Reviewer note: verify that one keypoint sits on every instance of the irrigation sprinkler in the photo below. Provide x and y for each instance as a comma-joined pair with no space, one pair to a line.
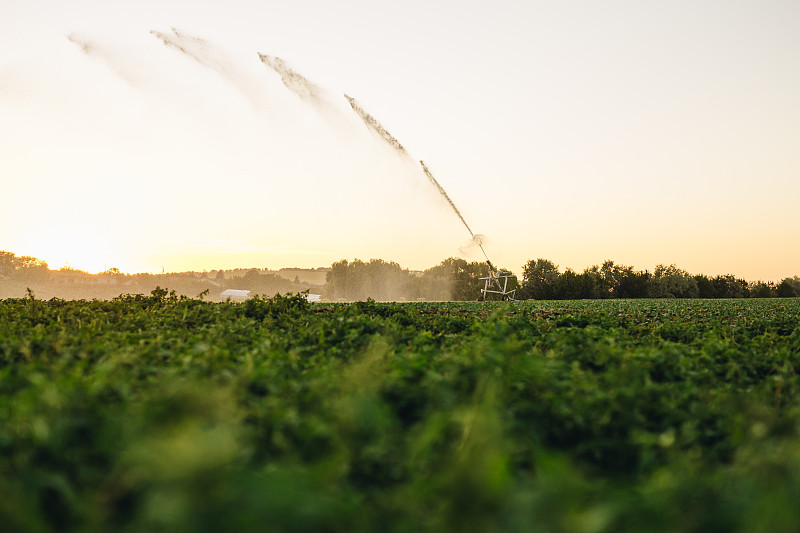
497,283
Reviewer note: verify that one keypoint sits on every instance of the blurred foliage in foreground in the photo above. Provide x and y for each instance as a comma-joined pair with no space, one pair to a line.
159,413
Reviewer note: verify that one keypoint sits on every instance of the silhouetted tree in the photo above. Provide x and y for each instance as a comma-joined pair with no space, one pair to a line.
539,279
593,284
608,279
377,279
705,287
31,269
788,288
567,286
587,281
336,280
672,282
632,283
437,282
761,289
617,281
260,283
7,264
728,286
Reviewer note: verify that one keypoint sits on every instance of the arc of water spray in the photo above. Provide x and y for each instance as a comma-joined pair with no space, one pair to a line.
114,59
294,81
378,128
210,56
309,91
305,89
477,239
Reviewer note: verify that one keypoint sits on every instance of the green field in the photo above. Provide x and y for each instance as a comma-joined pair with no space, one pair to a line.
156,413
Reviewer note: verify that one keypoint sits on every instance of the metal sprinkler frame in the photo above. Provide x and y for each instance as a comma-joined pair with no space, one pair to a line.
492,284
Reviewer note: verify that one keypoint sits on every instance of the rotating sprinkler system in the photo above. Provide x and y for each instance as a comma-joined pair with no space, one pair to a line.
497,283
206,54
497,280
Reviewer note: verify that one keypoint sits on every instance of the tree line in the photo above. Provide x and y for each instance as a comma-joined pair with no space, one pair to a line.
542,280
457,279
18,273
22,267
452,279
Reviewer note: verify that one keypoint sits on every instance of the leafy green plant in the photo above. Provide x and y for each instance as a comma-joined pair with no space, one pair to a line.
162,412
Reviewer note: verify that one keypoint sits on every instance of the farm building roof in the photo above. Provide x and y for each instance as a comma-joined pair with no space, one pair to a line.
235,294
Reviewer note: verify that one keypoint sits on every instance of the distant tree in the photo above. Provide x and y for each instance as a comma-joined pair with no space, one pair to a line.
336,280
705,287
610,275
377,279
587,281
618,281
31,269
788,288
539,279
260,283
593,284
632,283
357,283
465,279
762,289
7,263
112,275
454,279
387,280
568,286
468,287
437,283
728,286
672,282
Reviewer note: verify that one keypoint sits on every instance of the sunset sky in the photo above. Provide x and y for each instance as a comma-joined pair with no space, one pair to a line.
645,132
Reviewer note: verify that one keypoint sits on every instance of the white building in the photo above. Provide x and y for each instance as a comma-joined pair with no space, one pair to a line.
235,294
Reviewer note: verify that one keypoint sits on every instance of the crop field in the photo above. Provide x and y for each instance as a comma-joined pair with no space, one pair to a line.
158,413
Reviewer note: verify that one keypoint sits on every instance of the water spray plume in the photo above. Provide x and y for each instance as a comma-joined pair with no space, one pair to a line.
85,46
445,195
376,126
114,59
180,42
295,82
210,56
477,241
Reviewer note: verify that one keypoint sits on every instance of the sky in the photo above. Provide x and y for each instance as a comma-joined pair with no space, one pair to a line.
151,135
